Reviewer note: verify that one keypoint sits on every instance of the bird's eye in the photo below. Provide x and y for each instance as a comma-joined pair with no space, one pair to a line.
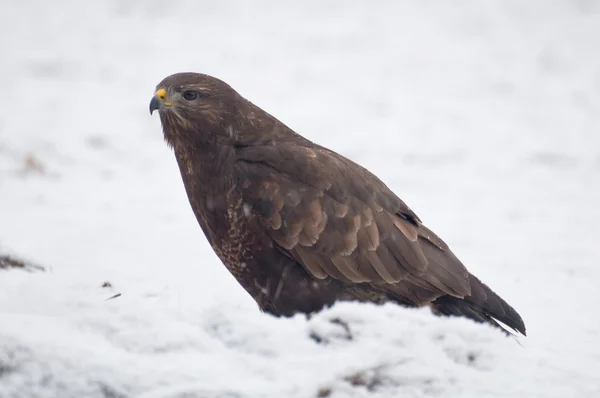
190,95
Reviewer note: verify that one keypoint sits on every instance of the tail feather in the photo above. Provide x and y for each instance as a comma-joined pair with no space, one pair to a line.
483,305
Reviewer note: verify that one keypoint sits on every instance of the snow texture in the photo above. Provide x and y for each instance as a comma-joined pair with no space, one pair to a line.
484,116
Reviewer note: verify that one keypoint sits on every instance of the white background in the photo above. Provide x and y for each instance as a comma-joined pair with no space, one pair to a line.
484,116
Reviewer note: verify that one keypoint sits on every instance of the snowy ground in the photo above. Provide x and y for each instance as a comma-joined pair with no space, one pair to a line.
484,116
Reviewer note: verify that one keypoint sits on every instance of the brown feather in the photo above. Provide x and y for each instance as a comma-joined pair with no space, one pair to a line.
301,226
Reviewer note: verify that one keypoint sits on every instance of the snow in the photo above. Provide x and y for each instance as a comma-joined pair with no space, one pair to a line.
484,116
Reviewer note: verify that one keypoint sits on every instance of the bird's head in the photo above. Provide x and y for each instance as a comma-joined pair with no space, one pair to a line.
194,107
197,109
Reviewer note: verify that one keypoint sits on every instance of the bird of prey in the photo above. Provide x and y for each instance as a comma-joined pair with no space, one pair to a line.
299,225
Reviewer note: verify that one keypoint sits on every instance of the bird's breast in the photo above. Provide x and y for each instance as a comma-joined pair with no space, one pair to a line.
232,240
218,206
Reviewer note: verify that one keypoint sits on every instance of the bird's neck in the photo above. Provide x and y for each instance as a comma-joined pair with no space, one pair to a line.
207,163
207,175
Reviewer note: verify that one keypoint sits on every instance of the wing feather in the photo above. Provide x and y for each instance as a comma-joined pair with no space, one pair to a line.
340,221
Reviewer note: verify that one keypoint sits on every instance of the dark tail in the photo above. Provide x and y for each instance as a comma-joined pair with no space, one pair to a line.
483,305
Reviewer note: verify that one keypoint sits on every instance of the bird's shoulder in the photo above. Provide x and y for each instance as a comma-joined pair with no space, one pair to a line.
308,166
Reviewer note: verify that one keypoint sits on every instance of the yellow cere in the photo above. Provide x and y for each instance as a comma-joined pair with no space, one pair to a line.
161,94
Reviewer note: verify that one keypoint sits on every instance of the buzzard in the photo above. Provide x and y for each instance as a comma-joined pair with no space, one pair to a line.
300,226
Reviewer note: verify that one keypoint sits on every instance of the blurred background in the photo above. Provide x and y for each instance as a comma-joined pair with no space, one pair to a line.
484,116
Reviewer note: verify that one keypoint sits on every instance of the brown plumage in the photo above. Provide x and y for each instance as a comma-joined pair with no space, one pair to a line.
299,225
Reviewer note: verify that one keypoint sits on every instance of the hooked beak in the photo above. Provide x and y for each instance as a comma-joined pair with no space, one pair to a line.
158,100
155,104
